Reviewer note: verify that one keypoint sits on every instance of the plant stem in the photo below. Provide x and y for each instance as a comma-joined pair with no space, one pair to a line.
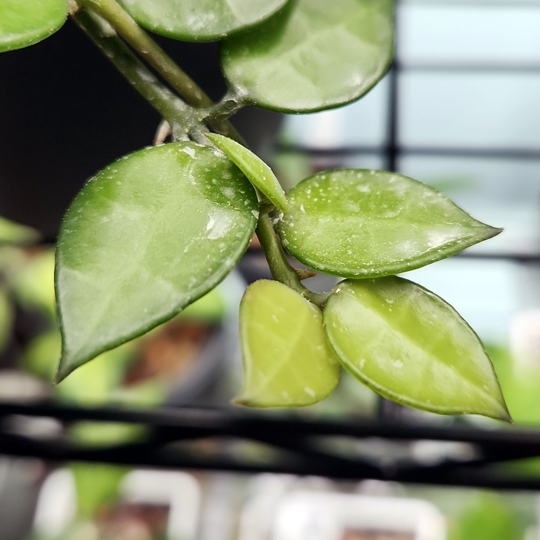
128,28
281,270
180,116
229,105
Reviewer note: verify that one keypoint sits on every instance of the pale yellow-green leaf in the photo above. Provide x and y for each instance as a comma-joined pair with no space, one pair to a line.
287,360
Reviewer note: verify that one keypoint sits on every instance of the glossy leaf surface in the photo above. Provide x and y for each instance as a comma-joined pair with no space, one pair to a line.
25,22
410,346
314,55
147,236
287,360
200,20
257,171
361,223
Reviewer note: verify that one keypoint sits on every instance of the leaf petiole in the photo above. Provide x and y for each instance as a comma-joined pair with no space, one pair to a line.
281,270
230,104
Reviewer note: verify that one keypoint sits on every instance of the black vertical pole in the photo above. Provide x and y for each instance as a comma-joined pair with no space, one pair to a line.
388,411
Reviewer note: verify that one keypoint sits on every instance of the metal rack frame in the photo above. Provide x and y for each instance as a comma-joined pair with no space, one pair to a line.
300,446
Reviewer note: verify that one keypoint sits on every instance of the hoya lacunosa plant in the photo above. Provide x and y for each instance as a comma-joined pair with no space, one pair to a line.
159,228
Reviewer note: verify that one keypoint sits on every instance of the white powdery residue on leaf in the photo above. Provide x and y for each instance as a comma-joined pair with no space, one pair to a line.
219,226
200,21
363,188
228,192
389,214
211,223
188,150
440,238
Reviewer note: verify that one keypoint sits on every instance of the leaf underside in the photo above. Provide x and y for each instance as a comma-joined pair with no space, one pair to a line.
314,55
25,22
200,20
147,236
410,346
360,223
287,360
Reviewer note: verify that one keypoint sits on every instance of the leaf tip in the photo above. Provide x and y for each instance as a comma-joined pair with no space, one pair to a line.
65,368
68,364
494,231
504,415
60,375
500,412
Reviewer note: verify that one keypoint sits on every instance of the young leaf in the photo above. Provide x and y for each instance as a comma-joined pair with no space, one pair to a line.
410,346
256,170
287,360
360,223
145,237
200,20
25,22
314,55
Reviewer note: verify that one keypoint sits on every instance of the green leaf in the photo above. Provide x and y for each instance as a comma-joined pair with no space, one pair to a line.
41,355
287,360
410,346
6,318
147,236
107,434
200,20
97,485
25,22
488,516
360,223
34,283
256,170
14,234
314,55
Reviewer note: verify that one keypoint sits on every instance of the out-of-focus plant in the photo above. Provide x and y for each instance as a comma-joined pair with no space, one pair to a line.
487,516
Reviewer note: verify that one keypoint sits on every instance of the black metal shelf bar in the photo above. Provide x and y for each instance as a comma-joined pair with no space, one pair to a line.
299,463
213,422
